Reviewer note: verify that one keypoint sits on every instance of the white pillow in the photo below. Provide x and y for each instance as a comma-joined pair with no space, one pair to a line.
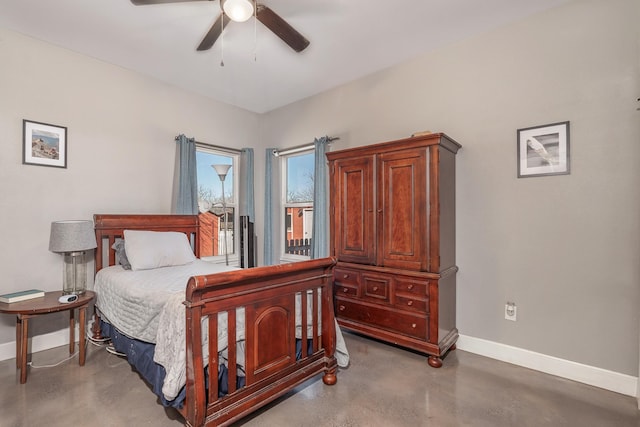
154,249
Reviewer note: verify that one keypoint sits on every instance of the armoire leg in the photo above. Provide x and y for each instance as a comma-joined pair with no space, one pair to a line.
434,362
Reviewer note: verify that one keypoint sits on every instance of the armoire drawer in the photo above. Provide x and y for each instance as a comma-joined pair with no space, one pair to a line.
376,287
346,276
404,323
343,289
406,285
411,303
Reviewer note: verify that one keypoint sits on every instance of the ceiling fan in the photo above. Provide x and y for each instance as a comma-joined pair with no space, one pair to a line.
239,11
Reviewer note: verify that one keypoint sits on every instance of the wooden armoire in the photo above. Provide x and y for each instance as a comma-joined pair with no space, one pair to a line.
392,210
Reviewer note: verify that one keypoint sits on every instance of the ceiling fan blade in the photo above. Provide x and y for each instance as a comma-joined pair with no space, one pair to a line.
147,2
214,32
281,28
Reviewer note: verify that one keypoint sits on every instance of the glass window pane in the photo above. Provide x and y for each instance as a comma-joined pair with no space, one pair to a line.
298,207
298,225
300,170
209,185
212,232
216,228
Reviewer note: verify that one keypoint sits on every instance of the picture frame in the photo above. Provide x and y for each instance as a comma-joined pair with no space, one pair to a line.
544,150
44,144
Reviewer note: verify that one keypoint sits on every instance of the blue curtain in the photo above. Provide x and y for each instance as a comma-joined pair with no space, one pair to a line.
187,198
269,248
247,201
320,230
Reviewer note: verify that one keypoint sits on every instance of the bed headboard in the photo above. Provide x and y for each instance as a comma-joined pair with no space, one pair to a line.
110,227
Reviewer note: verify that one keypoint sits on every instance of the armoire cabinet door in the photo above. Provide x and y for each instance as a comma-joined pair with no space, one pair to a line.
354,210
402,209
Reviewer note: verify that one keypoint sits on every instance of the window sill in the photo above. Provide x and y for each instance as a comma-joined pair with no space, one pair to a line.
233,260
285,259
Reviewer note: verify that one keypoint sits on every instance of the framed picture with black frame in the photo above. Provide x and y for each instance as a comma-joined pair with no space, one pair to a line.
543,150
44,144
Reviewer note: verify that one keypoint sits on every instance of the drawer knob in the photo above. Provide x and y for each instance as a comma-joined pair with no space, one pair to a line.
410,287
346,276
375,288
341,308
409,303
345,290
413,325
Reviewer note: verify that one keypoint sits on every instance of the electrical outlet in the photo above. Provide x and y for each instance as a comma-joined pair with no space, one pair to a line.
510,311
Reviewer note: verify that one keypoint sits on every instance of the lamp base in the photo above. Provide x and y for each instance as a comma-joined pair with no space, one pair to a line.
74,278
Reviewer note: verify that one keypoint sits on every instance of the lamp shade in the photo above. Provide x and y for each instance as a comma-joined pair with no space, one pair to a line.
238,10
72,236
221,170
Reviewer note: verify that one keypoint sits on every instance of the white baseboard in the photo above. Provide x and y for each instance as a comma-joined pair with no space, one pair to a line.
598,377
38,343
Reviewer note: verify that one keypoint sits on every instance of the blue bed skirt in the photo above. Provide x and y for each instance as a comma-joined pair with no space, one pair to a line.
140,355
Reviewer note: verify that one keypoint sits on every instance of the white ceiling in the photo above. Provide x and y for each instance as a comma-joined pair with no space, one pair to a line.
349,39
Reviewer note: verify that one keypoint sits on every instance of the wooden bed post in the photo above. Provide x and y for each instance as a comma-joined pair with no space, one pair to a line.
329,328
196,393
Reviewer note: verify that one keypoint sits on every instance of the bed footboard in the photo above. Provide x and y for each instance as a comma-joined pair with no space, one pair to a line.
273,299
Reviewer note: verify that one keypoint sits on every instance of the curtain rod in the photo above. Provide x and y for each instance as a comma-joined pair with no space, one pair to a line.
217,147
299,148
277,152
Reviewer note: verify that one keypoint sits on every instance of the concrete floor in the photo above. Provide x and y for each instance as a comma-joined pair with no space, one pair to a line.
384,386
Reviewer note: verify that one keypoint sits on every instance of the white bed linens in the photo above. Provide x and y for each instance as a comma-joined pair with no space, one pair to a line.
133,300
171,338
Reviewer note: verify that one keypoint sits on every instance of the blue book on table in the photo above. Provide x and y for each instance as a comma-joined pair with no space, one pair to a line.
21,296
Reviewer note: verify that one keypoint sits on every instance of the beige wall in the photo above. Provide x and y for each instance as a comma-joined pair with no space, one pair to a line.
121,153
565,248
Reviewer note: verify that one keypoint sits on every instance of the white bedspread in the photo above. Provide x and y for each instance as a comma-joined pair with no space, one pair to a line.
170,344
133,300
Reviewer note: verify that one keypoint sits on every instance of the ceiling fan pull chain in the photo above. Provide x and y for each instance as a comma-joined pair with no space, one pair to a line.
255,31
222,40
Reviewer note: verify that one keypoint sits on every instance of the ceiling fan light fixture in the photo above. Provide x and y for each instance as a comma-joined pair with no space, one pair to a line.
238,10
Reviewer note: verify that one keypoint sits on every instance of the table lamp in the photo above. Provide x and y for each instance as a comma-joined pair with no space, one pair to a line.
72,239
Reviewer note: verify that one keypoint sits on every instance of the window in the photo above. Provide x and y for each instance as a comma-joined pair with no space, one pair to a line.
218,229
297,212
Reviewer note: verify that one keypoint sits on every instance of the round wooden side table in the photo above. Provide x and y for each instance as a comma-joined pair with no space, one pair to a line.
25,310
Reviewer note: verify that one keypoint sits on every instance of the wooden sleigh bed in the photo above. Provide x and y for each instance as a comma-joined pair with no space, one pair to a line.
270,297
